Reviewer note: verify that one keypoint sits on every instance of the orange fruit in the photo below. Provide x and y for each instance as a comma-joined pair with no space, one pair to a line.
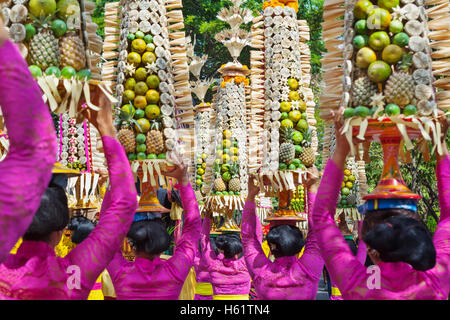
392,53
140,102
141,74
141,88
379,71
152,111
153,81
362,8
138,45
152,96
144,125
365,57
378,19
134,58
128,95
285,106
148,57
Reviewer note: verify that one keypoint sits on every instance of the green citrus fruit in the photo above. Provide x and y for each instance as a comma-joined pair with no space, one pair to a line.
362,8
35,71
130,83
392,109
282,166
362,111
30,31
138,45
379,71
349,112
152,156
409,110
148,57
53,71
140,35
152,96
294,96
139,114
59,27
153,81
141,88
302,125
295,115
141,74
150,47
140,102
401,39
392,53
388,4
128,95
141,148
128,109
226,176
287,123
162,156
131,156
360,41
365,57
297,137
152,111
141,156
148,38
42,8
131,37
84,74
68,8
284,115
144,125
68,72
134,58
285,106
361,27
298,149
379,40
292,167
293,84
396,26
379,19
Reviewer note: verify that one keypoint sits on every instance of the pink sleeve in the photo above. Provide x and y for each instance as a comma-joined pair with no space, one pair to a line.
187,246
344,269
115,266
208,254
251,241
361,254
441,238
312,258
26,171
95,253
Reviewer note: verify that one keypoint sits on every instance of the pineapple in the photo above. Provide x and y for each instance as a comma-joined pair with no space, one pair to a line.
155,141
363,90
287,148
126,135
219,184
44,48
235,183
399,89
71,48
308,155
406,61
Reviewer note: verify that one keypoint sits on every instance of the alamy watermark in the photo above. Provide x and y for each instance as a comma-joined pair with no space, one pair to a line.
374,280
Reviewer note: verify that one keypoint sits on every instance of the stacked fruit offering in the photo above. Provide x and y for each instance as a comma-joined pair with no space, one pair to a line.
393,73
348,194
298,200
200,174
146,103
50,32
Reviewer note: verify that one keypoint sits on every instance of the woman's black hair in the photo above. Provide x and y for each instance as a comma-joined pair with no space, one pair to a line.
230,244
149,236
403,239
351,243
52,215
81,227
375,217
287,239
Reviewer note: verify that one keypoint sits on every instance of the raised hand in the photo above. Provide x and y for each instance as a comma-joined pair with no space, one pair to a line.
3,33
253,188
313,178
180,170
103,119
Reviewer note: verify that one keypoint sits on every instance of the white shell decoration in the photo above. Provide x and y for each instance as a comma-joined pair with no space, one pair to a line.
423,92
5,13
17,32
133,27
426,108
155,29
162,75
416,43
414,27
421,60
169,133
133,5
143,5
170,144
144,15
145,26
165,98
411,11
18,13
166,110
167,122
421,76
158,40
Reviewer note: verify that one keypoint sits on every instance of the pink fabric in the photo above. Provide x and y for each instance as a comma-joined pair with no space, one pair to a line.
201,270
35,272
228,276
27,169
160,279
397,280
286,278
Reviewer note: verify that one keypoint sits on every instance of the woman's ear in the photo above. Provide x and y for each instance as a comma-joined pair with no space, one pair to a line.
374,255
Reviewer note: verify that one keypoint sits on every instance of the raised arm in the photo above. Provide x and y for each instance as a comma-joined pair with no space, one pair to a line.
208,254
26,171
361,254
345,270
95,253
442,235
187,246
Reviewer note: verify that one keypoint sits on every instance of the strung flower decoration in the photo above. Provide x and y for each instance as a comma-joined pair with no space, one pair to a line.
129,69
151,68
398,13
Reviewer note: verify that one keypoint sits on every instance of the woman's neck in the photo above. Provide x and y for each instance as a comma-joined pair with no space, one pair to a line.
146,255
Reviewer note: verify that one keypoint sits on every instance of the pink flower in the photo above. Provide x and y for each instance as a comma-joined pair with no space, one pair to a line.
72,121
72,130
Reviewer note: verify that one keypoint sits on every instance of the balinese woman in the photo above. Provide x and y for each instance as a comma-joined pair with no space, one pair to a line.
35,272
228,271
287,277
27,169
410,264
149,277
